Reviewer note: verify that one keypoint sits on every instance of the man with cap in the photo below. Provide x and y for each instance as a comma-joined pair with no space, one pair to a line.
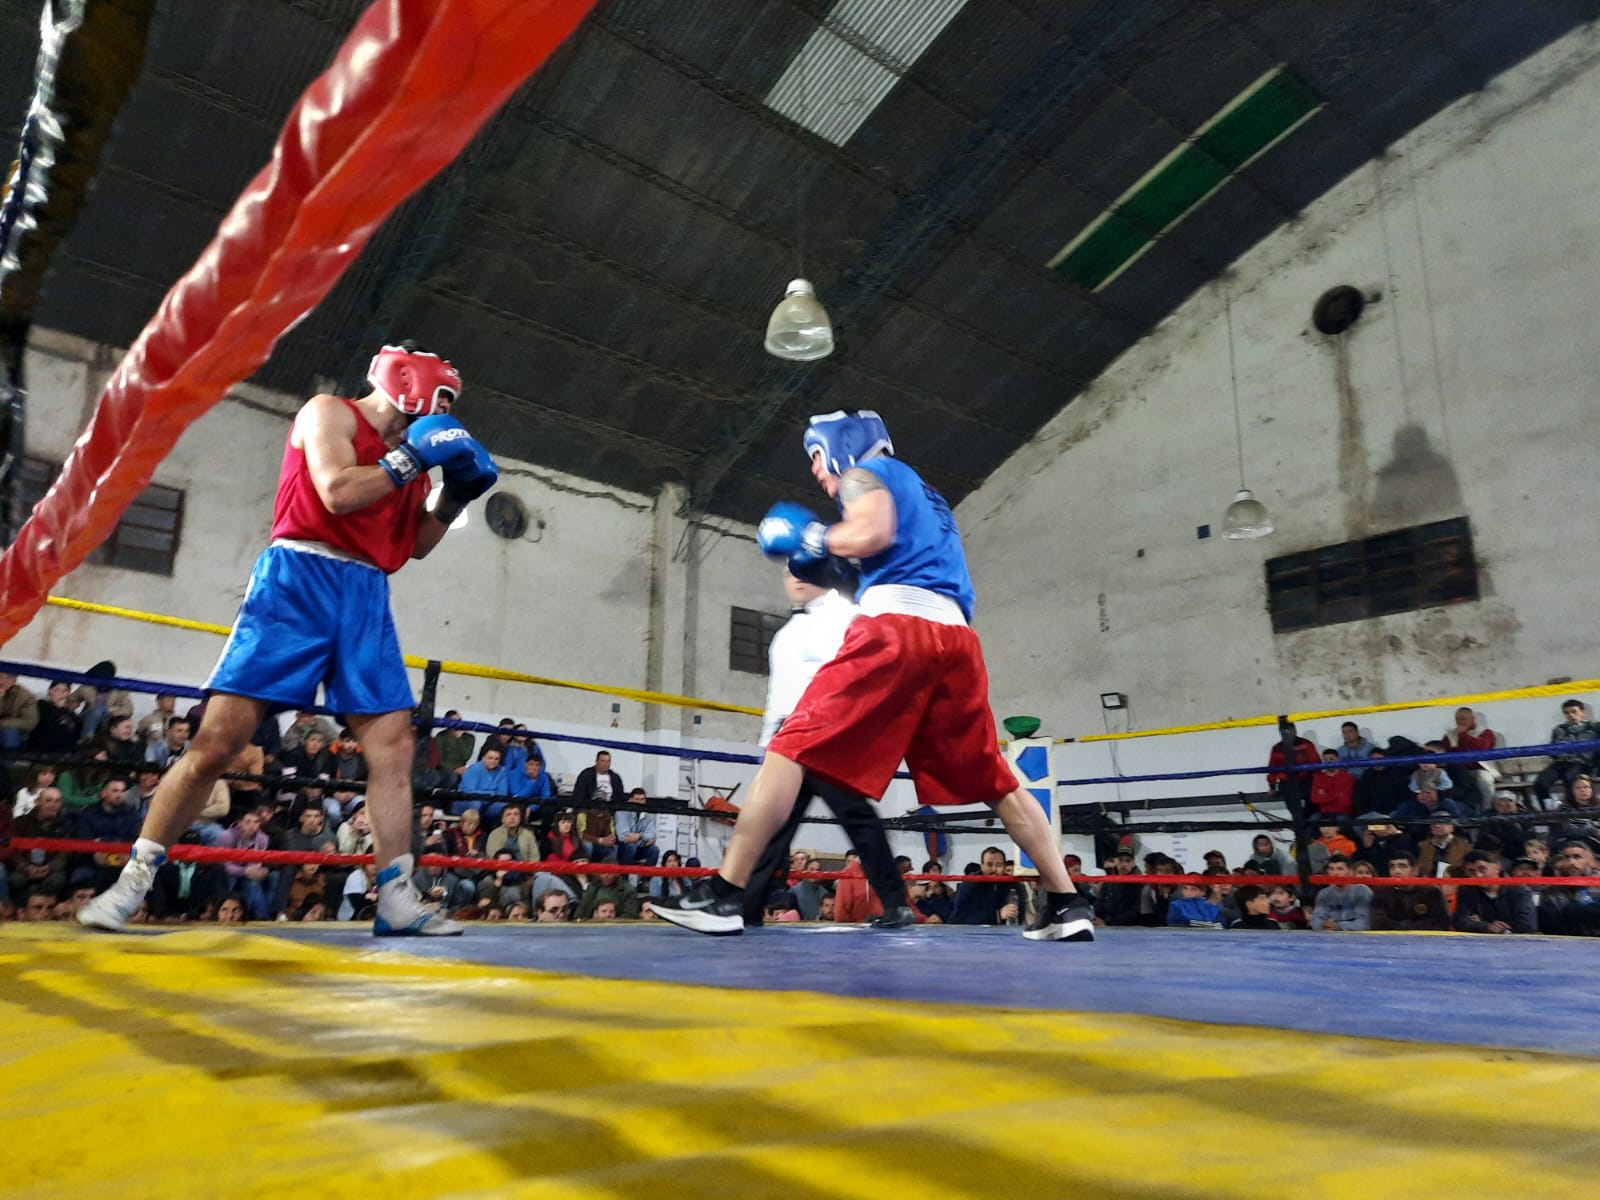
350,511
1118,903
1444,850
908,684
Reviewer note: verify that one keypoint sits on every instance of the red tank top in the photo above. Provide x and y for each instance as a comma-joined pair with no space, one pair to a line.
383,533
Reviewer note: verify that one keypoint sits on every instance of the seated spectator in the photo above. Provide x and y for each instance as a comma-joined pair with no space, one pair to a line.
38,905
183,891
854,899
1266,857
531,786
1192,909
252,882
355,835
19,713
303,726
1502,826
1493,909
562,843
502,887
781,906
1353,749
115,743
636,832
1421,907
931,908
1284,909
483,779
174,742
667,890
453,748
1575,727
1580,795
1379,841
1304,752
1333,789
466,839
1116,902
624,900
605,910
513,836
552,904
360,896
42,871
152,727
58,729
306,885
1330,840
314,909
309,758
1341,905
976,903
1431,776
1381,789
807,892
349,764
1254,909
111,820
1156,898
1443,851
598,784
42,776
1570,911
1539,851
1416,815
519,747
1467,735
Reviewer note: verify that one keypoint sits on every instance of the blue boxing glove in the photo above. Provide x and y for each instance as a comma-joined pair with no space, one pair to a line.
792,531
465,482
437,441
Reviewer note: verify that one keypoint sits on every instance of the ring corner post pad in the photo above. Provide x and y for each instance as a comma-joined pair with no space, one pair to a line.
1032,760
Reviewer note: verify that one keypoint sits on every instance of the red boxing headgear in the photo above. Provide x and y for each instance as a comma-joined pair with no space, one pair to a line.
413,380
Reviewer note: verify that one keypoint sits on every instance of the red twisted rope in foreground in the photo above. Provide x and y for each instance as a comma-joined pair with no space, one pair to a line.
221,854
408,89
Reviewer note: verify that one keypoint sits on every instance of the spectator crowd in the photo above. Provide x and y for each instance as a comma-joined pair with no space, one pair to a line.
1434,822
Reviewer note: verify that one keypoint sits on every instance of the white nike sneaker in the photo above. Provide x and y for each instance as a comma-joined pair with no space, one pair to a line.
401,912
113,908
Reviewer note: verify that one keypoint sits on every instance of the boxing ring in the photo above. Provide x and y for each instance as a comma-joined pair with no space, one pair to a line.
798,1062
629,1059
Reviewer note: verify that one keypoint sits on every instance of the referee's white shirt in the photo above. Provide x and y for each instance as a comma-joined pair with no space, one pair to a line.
810,638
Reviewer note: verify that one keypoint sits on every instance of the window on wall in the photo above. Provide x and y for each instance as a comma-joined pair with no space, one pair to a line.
749,637
1408,569
146,539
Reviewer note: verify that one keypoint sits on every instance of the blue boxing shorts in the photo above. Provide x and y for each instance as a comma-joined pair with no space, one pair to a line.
310,619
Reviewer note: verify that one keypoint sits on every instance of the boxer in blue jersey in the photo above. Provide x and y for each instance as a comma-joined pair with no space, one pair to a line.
909,681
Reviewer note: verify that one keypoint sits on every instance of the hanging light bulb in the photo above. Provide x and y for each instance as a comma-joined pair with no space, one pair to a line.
1246,517
799,330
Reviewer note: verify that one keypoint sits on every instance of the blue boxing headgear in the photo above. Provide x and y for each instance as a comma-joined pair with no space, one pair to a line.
847,439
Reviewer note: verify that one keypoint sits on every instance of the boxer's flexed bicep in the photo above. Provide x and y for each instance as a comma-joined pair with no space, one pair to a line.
325,431
870,520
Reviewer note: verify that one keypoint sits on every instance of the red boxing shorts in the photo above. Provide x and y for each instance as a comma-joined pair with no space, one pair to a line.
901,688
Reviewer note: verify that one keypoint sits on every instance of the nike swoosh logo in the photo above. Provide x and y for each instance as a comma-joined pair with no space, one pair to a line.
692,904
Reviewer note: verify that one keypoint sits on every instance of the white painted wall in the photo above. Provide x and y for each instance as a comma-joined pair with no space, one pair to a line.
1483,239
1480,234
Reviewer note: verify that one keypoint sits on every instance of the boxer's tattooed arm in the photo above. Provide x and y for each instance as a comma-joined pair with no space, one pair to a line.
856,483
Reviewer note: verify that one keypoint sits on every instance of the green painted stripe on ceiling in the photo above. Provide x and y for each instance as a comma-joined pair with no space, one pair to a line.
1246,127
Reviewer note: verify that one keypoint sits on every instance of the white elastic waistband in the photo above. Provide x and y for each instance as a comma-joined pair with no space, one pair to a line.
907,601
323,549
